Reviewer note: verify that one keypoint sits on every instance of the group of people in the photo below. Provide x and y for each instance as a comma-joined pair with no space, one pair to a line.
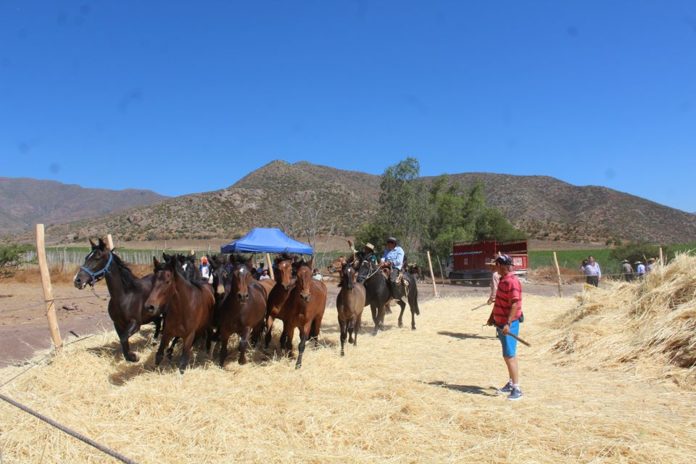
640,271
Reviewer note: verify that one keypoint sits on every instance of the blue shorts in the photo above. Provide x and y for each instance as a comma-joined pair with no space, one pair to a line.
509,343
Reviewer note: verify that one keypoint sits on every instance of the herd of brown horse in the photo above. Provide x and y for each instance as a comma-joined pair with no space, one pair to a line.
190,309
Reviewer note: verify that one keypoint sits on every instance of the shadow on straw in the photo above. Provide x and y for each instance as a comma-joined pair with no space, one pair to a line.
470,389
464,336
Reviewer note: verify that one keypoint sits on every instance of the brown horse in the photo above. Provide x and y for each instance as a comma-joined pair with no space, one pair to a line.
278,296
128,293
304,309
242,311
189,309
350,303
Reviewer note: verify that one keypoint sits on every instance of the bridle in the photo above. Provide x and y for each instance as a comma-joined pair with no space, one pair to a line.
371,273
96,276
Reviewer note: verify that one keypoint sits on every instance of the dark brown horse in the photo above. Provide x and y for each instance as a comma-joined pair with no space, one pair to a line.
128,293
189,309
304,309
242,311
284,283
350,303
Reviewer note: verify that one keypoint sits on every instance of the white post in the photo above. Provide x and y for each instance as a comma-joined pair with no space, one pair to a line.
558,273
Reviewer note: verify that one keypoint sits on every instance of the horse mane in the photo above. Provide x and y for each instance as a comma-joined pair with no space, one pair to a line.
171,266
127,277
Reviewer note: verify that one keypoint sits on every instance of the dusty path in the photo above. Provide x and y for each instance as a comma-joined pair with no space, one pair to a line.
402,396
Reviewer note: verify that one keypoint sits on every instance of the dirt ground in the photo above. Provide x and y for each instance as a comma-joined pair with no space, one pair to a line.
24,329
402,396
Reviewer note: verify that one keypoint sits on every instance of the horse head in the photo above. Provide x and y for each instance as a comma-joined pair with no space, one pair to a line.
284,272
241,278
166,275
304,279
365,269
97,263
348,276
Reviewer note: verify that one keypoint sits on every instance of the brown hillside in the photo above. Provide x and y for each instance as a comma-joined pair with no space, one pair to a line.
293,196
24,202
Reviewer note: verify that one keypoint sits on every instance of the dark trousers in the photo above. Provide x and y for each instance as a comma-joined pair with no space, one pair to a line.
592,280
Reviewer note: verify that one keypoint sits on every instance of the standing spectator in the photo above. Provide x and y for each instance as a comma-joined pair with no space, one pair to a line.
627,270
264,275
506,316
316,275
650,266
640,269
593,273
495,279
204,269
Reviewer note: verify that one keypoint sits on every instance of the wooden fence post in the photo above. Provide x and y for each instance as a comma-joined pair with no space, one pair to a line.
47,288
432,276
662,263
270,266
558,273
109,242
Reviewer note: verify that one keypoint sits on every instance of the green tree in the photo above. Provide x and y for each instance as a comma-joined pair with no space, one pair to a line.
402,200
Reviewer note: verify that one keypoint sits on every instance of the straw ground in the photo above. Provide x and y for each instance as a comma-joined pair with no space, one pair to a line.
402,396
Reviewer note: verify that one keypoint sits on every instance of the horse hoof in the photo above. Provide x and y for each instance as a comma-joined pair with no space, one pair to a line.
132,357
343,353
297,366
400,325
413,328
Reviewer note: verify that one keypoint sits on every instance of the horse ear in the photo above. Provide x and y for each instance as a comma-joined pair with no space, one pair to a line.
102,245
92,244
310,263
155,262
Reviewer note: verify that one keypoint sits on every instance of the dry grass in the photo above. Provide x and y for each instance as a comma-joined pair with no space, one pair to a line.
651,323
403,396
65,275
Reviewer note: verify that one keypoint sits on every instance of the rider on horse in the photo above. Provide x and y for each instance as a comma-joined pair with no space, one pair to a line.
393,259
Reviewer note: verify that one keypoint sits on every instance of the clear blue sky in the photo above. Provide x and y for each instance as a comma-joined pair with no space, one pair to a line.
182,97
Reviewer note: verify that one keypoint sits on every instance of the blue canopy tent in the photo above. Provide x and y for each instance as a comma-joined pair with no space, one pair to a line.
266,240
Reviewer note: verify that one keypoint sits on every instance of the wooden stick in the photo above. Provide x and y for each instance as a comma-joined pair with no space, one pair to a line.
479,306
432,276
518,339
270,266
662,263
558,273
109,242
47,288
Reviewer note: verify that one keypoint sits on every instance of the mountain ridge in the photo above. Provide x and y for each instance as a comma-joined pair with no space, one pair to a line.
303,197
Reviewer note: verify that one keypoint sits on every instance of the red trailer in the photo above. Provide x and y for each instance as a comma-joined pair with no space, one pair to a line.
468,259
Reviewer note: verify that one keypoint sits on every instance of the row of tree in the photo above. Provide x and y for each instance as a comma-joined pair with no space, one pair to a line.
432,215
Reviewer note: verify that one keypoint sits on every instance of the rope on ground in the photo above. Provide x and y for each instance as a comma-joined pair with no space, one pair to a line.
62,428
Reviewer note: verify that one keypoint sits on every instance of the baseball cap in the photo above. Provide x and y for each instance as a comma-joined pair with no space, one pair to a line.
391,239
505,260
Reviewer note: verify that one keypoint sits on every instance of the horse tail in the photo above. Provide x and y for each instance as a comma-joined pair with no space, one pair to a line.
413,298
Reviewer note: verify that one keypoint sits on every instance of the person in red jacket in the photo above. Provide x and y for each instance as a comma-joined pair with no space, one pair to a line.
506,315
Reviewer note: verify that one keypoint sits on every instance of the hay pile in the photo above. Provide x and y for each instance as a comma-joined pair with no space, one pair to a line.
401,397
650,322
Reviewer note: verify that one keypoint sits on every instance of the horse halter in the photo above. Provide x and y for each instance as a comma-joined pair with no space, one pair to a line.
96,276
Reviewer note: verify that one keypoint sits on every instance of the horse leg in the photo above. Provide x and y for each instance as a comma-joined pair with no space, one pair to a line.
358,323
256,334
316,328
380,316
350,329
375,318
402,305
163,344
158,327
224,338
344,330
170,350
244,344
301,347
186,352
123,336
269,331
